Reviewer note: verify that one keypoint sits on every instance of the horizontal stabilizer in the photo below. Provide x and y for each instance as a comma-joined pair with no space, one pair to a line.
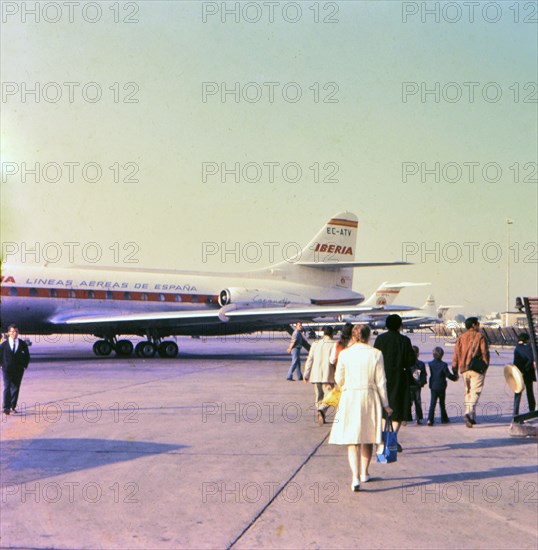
336,265
403,285
395,308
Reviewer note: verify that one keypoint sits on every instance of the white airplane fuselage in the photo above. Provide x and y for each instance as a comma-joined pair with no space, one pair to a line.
37,299
111,302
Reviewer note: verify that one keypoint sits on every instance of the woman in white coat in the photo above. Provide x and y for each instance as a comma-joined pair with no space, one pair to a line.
358,422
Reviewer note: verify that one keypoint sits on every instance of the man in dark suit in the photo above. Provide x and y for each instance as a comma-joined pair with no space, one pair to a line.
14,359
398,358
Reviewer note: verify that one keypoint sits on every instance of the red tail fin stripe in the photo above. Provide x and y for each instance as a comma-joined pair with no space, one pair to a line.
345,223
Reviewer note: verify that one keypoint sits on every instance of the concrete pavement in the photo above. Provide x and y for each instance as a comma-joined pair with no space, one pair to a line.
216,449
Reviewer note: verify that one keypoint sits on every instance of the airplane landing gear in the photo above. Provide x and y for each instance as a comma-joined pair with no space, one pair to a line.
102,347
145,349
124,348
168,349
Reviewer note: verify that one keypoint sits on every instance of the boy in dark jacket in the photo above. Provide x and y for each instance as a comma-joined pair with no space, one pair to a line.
439,372
417,382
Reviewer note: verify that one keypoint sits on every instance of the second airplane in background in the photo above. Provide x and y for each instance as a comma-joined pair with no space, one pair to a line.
426,316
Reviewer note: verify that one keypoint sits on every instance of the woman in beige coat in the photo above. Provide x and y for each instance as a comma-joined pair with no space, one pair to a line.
358,421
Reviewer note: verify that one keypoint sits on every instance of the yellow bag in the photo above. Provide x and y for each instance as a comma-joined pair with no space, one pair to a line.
333,397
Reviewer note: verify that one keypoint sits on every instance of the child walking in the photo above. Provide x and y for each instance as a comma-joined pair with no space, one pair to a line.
439,372
418,381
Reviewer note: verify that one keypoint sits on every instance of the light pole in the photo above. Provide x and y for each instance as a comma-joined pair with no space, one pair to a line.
509,222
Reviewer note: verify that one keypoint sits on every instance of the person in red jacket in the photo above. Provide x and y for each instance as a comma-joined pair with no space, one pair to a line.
469,345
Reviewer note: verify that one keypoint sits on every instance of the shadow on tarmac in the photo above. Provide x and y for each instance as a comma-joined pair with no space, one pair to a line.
457,477
240,356
26,460
477,444
191,356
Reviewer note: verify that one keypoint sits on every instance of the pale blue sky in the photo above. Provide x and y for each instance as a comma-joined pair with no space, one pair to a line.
368,134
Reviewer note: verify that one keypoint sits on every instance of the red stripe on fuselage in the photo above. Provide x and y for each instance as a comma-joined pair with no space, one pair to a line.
117,295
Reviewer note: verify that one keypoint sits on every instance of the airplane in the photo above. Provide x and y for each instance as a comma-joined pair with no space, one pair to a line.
424,317
385,294
111,302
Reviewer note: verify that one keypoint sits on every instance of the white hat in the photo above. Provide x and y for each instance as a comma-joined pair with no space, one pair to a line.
514,378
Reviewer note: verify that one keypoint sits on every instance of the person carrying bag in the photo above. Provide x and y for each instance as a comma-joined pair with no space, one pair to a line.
358,422
471,360
477,364
390,444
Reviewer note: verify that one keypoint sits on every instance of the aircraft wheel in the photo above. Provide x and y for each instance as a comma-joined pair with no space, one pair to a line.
145,349
124,348
168,349
137,349
102,347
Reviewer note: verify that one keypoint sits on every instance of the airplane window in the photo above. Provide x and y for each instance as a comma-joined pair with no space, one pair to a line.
126,295
144,296
12,291
162,298
194,298
109,295
71,294
177,297
53,293
33,292
91,294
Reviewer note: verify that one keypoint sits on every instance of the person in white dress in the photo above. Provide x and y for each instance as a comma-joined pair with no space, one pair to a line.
358,421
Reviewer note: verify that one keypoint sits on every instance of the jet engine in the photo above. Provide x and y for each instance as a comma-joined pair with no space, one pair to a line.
255,297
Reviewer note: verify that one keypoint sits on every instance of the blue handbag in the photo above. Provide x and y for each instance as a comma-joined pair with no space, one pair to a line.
390,444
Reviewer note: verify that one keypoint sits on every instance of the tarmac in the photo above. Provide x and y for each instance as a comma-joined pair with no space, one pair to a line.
215,449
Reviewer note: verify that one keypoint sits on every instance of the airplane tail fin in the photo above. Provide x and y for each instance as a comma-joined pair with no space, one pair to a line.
429,307
329,258
387,293
331,248
441,311
334,243
431,310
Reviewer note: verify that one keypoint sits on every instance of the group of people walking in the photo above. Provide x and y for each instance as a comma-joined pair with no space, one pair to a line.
385,380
